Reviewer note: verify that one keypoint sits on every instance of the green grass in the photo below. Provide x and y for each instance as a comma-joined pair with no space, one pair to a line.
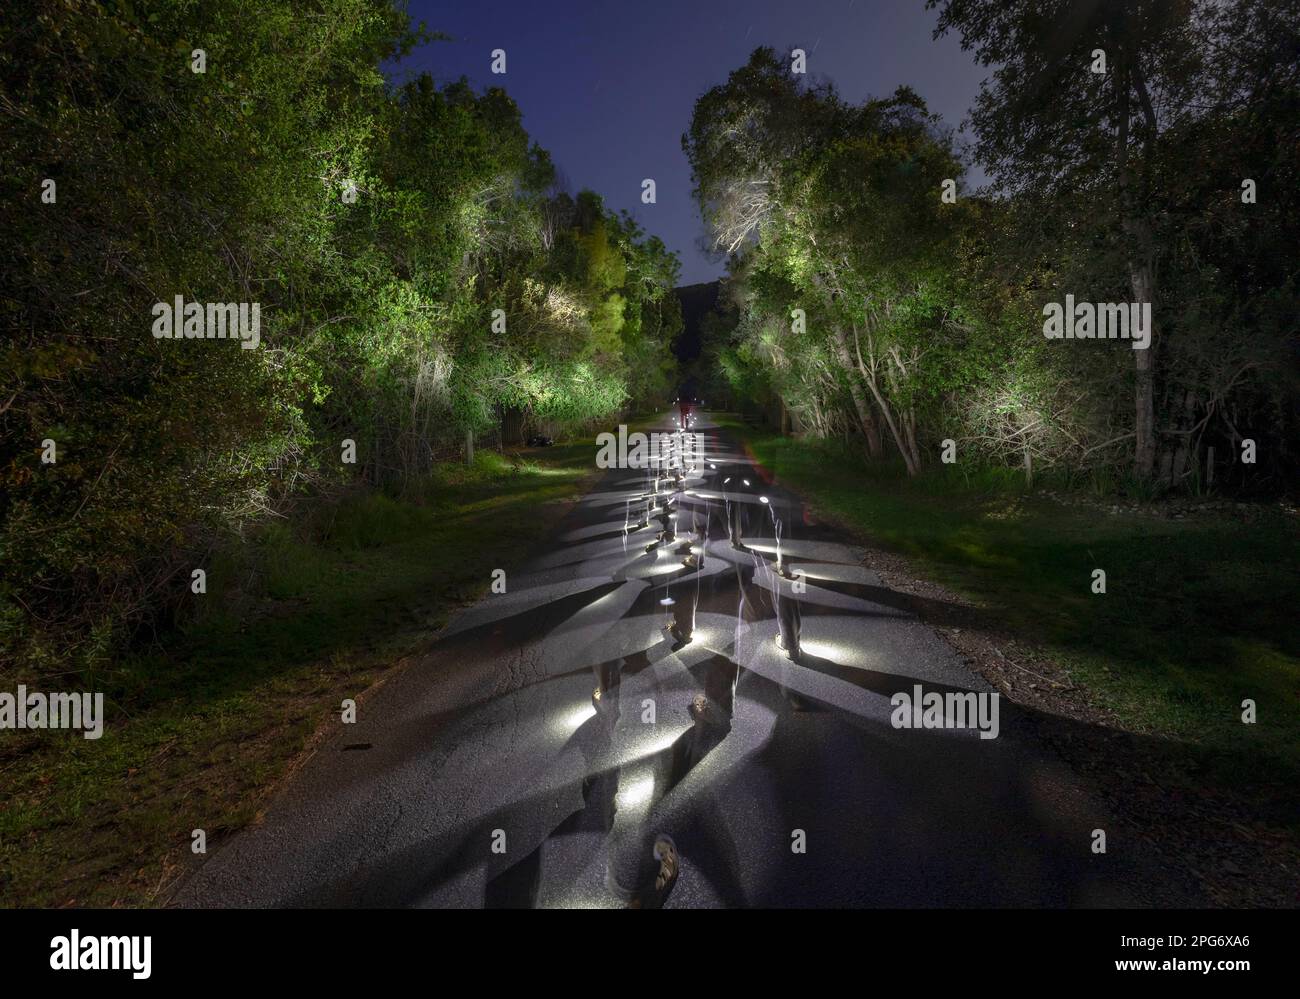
1198,615
202,723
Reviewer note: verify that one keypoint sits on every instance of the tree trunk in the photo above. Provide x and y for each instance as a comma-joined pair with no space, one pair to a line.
909,458
469,447
909,432
1144,418
1141,272
1182,460
866,418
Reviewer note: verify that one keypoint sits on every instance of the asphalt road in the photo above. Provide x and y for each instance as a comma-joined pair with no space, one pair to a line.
485,774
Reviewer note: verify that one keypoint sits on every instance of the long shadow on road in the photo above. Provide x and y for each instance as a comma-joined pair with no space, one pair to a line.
617,695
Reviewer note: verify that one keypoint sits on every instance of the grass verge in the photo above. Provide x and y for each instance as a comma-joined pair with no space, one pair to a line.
203,724
1198,614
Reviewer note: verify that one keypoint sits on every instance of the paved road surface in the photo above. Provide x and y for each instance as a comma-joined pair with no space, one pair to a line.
493,738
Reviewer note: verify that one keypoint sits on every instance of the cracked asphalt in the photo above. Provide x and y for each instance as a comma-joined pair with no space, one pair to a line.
493,777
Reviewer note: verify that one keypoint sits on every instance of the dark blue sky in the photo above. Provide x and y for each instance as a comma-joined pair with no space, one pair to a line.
609,87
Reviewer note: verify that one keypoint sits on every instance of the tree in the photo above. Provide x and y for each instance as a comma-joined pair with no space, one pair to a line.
415,269
1053,130
836,211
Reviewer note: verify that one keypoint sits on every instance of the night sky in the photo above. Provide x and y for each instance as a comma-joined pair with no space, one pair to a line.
608,87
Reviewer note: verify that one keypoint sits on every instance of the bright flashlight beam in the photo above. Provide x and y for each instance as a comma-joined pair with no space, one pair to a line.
636,793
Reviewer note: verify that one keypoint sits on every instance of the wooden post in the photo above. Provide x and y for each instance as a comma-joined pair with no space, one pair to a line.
469,447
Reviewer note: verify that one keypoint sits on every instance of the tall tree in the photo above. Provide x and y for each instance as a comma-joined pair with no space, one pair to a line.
838,209
1080,95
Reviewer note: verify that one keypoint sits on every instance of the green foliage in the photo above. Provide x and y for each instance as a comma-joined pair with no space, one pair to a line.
922,318
1127,185
845,281
377,312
